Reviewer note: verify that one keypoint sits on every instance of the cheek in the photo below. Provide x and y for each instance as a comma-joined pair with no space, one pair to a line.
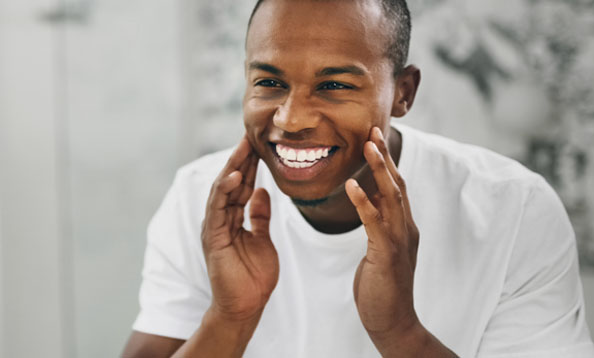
256,116
358,120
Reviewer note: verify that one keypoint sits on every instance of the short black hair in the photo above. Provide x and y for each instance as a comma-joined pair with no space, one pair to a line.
398,16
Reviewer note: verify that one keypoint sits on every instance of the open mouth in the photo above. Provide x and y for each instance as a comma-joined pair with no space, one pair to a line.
302,158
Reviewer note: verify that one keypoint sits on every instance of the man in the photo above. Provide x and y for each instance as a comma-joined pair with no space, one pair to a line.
324,264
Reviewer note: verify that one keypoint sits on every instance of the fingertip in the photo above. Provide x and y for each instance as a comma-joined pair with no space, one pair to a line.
353,189
261,194
235,176
352,183
378,133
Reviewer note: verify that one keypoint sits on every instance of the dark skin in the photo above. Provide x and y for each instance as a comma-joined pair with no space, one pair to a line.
326,82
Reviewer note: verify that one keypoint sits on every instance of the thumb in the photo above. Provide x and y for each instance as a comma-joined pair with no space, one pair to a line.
260,212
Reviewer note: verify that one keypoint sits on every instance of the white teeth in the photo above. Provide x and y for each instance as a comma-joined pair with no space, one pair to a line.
301,155
300,158
291,155
299,165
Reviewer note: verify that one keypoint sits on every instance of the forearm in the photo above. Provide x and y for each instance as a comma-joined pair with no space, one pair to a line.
218,337
417,342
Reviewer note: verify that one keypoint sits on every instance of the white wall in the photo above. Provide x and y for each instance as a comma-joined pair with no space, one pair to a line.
1,286
124,109
32,248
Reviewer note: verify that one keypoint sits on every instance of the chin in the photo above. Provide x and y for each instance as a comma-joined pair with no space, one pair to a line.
313,192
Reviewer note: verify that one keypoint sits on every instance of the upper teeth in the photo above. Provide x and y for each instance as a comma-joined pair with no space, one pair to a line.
308,156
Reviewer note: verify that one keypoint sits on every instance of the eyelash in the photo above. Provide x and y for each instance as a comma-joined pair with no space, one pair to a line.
335,85
328,86
270,83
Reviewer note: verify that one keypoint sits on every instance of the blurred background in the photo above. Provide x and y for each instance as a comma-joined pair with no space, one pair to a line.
101,101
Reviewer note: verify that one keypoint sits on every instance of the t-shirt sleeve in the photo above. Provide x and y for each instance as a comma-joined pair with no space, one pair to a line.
541,309
175,292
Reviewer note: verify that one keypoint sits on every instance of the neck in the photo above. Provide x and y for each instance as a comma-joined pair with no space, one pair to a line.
336,214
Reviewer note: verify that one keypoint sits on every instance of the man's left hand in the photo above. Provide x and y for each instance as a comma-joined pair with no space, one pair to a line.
383,285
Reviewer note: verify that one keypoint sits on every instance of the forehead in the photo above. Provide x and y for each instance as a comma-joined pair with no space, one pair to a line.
335,30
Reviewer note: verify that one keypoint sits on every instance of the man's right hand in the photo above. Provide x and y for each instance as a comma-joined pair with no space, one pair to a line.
242,265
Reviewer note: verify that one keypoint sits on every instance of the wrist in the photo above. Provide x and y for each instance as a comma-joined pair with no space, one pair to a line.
220,335
414,341
403,338
234,324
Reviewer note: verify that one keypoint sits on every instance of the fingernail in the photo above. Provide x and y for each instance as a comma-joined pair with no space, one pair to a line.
379,132
355,183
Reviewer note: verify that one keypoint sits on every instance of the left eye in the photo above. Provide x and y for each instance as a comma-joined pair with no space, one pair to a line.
334,86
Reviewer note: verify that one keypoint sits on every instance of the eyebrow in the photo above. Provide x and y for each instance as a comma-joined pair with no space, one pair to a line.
266,67
328,71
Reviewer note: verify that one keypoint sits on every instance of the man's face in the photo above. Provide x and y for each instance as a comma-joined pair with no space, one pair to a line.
318,80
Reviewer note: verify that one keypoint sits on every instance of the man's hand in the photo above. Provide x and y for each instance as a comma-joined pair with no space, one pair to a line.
242,265
383,285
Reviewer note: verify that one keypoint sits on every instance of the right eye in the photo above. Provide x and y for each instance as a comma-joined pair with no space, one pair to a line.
269,83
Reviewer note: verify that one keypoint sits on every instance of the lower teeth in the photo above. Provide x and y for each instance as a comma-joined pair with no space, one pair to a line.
298,164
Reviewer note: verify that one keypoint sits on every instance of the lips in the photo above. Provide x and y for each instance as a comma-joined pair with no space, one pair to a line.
301,163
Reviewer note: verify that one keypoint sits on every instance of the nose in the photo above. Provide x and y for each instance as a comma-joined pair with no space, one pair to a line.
296,114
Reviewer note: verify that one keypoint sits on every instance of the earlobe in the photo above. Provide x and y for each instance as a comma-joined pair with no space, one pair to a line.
407,84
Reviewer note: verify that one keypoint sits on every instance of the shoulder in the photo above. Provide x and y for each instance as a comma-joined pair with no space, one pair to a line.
466,167
468,159
489,197
201,171
208,165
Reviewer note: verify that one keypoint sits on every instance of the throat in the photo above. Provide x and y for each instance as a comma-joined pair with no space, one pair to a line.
334,215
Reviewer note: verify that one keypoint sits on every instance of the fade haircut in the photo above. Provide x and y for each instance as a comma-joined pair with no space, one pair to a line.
398,16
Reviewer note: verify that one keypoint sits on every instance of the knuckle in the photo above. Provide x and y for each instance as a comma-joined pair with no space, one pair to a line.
376,216
415,234
377,161
398,196
217,185
220,183
401,183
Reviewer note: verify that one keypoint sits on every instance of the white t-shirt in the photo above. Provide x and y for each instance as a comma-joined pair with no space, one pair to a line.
497,272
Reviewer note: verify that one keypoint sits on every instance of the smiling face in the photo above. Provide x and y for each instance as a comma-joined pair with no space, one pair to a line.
318,80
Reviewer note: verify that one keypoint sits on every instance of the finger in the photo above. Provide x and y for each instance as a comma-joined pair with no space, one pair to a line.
236,217
368,213
249,181
385,183
234,195
219,199
260,213
378,138
237,158
378,242
250,177
228,179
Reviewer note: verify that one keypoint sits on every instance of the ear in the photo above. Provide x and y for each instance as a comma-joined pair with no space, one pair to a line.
407,84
